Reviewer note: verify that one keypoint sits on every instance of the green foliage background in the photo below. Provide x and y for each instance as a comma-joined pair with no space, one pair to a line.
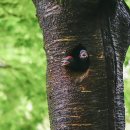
23,104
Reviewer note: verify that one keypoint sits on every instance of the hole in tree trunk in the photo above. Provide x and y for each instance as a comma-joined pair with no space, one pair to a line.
77,59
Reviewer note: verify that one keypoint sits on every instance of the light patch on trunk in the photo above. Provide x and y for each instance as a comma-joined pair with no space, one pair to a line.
52,10
66,39
83,76
79,125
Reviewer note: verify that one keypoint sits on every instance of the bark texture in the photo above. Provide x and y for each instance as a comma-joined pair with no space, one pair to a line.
94,99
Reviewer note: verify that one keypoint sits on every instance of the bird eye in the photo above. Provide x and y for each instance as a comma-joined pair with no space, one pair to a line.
83,54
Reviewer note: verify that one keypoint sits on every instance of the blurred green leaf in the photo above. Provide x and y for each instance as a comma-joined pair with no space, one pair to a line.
23,104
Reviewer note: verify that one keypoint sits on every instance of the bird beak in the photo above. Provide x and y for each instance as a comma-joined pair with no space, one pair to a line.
66,61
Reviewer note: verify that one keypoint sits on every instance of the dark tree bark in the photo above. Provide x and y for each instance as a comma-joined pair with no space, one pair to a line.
93,99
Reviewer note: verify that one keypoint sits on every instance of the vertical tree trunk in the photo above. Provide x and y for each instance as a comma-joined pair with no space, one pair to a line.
93,99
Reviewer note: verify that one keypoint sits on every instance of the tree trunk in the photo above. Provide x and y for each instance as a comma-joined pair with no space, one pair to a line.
92,99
